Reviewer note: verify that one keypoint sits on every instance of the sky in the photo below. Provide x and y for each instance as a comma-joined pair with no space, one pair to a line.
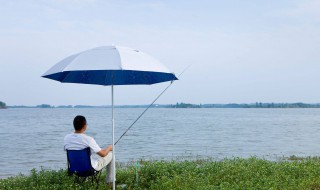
239,51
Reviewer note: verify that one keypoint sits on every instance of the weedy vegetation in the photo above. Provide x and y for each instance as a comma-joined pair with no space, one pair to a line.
237,173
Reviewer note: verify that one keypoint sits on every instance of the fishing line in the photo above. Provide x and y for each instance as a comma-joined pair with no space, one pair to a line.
150,105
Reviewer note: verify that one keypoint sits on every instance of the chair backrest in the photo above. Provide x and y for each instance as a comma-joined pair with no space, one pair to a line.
79,162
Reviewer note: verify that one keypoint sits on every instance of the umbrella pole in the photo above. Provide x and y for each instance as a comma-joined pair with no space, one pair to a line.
113,148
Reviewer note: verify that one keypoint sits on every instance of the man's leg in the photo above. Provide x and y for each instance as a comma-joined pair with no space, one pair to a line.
103,161
106,161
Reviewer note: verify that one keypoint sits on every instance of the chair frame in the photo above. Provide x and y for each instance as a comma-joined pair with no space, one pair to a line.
92,173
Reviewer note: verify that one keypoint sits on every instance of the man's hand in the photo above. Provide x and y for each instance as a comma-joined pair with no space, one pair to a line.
104,152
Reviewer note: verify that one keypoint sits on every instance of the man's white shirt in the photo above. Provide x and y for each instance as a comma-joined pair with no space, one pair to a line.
77,141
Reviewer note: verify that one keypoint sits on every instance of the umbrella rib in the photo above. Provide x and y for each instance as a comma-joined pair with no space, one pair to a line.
65,76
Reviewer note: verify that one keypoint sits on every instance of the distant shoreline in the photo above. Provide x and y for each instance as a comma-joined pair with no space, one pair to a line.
185,105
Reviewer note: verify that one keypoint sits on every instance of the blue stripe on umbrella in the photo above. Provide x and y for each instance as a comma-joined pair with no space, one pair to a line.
111,77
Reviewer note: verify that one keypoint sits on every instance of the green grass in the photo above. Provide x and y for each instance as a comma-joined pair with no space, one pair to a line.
237,173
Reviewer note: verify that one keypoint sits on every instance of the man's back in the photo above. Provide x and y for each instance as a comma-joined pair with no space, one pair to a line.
77,141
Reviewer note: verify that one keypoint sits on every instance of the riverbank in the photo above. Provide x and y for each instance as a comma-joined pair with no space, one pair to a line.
251,173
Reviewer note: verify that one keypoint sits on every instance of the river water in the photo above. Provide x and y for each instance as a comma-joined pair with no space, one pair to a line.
31,138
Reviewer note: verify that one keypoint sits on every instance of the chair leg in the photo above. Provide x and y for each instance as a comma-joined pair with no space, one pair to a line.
83,179
78,179
96,178
75,179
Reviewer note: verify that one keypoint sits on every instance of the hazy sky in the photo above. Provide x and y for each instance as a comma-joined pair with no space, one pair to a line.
241,51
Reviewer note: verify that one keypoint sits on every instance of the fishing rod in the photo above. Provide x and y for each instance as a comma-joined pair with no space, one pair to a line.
150,105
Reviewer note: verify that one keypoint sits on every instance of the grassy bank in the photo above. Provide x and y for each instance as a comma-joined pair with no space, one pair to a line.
252,173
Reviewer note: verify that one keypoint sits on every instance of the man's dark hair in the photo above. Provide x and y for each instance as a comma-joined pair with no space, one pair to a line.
79,122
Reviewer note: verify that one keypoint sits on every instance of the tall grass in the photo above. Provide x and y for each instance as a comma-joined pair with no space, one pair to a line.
237,173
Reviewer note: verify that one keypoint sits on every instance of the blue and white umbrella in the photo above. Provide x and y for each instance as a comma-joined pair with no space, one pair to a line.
109,66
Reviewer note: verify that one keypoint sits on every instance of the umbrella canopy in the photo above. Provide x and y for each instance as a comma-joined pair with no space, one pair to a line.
110,65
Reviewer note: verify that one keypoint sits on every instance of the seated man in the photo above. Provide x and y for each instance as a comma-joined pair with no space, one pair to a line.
78,141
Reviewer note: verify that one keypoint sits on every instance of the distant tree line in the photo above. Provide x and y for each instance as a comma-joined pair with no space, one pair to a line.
3,105
264,105
253,105
44,106
185,105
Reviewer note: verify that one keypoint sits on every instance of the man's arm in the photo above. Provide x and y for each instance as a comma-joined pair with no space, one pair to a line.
104,152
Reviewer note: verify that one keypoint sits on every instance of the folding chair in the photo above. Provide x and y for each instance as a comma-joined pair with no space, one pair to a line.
79,163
